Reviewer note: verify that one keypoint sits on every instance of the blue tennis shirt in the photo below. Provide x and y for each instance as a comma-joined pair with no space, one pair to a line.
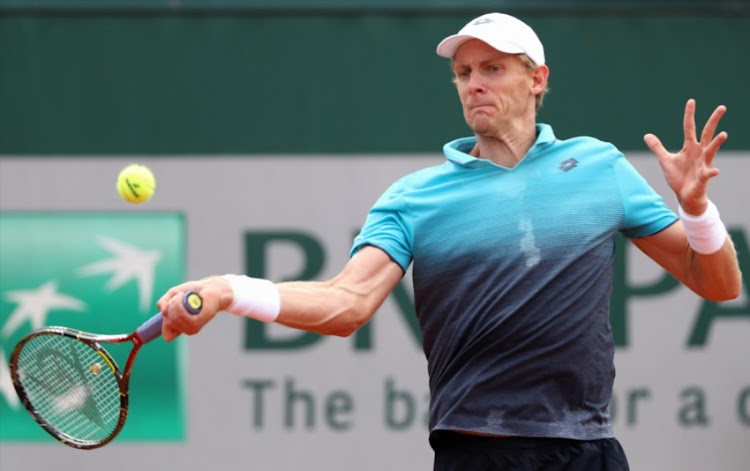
512,272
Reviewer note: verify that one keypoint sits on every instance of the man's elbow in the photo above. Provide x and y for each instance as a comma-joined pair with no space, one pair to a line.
345,323
724,292
341,329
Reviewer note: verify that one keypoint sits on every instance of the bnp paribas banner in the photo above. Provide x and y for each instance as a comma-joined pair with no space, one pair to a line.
97,272
262,396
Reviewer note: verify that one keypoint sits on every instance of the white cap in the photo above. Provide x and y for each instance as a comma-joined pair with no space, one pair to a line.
503,32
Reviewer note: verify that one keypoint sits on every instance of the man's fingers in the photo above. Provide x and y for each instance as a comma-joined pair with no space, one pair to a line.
176,291
163,302
177,320
655,145
688,121
713,122
713,147
172,313
168,334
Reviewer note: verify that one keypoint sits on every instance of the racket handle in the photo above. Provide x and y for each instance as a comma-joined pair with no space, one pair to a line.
151,329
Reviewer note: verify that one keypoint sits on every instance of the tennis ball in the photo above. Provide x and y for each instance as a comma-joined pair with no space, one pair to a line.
136,183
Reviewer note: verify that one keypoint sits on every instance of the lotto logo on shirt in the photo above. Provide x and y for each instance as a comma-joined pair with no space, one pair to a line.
99,273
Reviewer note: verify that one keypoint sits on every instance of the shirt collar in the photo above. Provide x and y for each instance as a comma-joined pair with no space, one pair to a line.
457,151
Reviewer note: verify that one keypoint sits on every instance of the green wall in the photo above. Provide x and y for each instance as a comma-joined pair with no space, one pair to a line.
333,83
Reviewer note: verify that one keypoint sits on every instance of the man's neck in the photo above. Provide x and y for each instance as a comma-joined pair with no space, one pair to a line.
508,146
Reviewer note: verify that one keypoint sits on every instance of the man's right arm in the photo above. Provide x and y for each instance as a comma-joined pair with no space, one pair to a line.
338,306
343,304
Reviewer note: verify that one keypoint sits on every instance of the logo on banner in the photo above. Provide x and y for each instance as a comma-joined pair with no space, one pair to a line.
99,273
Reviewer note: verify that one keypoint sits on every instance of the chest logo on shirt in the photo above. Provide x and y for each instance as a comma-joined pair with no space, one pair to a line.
567,165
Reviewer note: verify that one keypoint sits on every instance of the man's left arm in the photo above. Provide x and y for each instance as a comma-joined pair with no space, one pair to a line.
697,249
714,276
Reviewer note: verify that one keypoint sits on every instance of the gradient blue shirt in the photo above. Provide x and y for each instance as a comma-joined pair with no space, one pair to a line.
512,271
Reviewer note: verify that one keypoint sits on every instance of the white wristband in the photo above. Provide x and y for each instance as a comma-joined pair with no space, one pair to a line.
254,297
706,233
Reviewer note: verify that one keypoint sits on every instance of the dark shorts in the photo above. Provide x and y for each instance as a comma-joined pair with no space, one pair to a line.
461,452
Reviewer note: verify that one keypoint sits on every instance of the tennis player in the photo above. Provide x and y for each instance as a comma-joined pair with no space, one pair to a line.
511,241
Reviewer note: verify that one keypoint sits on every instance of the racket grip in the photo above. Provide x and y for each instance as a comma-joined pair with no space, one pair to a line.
151,329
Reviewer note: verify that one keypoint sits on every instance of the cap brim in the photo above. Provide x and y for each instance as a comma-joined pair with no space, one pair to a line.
448,46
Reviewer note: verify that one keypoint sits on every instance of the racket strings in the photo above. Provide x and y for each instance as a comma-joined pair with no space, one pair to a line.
71,386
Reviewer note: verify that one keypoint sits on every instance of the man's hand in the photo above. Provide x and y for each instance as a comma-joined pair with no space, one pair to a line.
689,170
216,293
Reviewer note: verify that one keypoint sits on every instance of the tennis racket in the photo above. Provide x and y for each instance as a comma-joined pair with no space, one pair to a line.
70,384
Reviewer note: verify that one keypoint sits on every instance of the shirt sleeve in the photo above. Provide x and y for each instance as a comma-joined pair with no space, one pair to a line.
387,227
645,210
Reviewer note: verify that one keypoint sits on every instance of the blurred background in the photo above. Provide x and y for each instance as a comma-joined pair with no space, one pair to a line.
272,127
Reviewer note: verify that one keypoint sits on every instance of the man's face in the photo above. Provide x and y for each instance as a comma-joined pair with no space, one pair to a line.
495,88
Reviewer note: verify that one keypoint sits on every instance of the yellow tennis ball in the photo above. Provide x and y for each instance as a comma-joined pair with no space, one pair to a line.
136,183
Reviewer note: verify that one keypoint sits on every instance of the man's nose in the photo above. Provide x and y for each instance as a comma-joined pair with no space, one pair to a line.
476,84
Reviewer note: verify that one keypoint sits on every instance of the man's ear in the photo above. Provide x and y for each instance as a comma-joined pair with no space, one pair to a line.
539,77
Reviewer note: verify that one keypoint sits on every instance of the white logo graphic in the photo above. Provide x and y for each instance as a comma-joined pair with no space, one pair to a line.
34,305
128,263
